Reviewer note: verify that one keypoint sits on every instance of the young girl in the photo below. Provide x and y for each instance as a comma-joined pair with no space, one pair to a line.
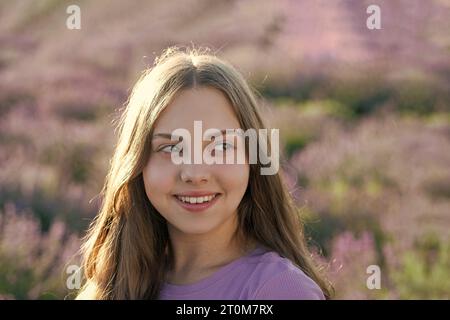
190,230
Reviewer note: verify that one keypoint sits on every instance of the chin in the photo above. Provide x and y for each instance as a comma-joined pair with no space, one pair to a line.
197,228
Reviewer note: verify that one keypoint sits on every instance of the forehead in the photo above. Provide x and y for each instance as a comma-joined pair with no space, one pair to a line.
205,104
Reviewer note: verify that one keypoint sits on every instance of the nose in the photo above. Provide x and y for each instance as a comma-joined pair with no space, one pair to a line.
195,173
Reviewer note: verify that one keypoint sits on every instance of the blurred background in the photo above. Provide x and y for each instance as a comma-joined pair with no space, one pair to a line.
364,118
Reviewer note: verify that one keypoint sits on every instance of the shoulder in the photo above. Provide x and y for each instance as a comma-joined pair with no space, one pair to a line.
277,278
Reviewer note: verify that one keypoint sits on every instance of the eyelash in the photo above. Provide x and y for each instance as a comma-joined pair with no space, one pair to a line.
174,145
225,143
163,147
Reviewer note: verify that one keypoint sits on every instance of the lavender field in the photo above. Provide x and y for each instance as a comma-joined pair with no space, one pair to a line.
364,118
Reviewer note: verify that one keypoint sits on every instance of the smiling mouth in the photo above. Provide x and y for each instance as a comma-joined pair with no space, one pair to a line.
195,200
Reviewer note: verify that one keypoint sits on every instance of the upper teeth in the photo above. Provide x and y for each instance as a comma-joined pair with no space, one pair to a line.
196,199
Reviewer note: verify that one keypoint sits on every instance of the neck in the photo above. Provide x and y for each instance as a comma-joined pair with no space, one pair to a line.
196,256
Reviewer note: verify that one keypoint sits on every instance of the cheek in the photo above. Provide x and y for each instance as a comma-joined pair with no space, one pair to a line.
235,179
159,181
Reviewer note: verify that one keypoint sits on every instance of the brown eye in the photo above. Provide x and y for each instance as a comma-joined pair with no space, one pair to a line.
223,146
171,148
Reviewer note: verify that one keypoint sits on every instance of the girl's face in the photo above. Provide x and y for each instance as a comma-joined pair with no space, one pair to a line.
167,183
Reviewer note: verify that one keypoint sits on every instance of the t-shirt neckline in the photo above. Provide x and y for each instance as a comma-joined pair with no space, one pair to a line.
211,279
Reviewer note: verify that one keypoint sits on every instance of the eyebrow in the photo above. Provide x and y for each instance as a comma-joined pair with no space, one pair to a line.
169,135
163,135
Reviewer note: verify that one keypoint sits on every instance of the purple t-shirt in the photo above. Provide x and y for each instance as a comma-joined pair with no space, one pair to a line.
262,275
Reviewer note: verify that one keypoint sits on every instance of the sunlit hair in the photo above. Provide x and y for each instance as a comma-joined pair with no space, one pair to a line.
126,252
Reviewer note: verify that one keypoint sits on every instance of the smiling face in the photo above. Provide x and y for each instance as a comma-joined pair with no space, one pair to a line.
172,188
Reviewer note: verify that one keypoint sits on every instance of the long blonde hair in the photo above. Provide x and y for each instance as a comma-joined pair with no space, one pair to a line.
126,250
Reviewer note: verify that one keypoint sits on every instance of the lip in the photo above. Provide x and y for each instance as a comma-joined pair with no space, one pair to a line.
197,207
197,194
